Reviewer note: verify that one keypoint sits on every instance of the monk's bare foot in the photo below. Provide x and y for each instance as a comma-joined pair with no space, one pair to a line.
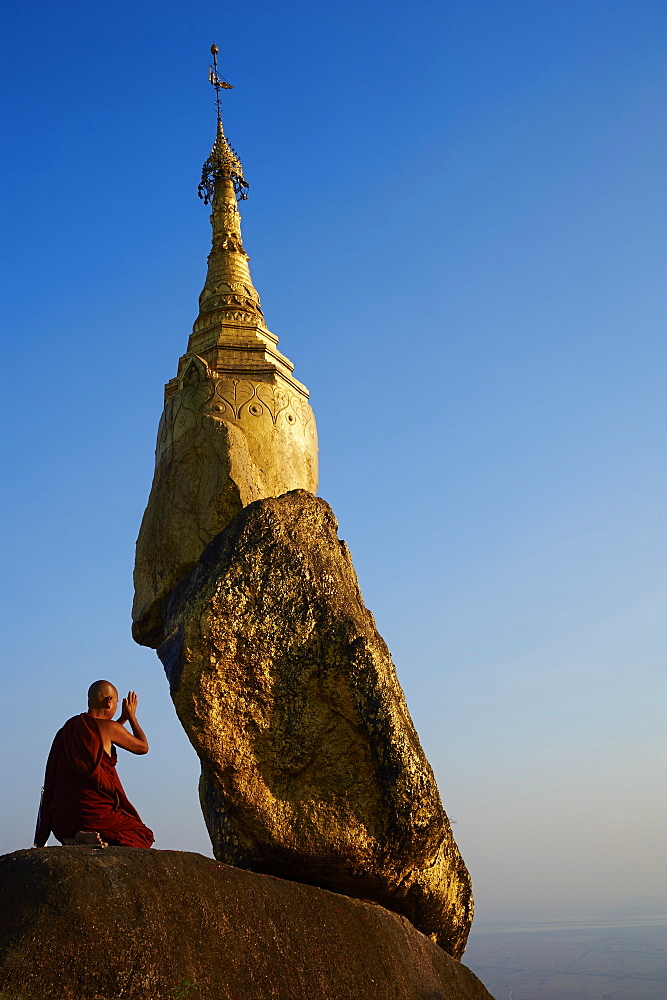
90,838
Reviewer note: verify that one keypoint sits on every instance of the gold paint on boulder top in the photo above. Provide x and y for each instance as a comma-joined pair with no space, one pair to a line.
222,443
311,766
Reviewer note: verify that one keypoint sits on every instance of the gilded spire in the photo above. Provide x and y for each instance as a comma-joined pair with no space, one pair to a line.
230,332
228,293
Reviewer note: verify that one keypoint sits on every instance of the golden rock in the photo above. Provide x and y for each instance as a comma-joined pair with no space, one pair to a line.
311,766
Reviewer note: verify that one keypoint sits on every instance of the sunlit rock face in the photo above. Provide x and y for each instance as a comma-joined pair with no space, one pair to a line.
311,766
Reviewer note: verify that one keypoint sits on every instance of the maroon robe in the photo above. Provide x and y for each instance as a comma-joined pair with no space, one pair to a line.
83,792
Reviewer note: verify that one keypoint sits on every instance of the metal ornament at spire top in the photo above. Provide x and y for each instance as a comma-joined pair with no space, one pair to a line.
223,161
217,81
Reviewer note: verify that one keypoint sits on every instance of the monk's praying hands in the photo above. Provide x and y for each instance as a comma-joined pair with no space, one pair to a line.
129,707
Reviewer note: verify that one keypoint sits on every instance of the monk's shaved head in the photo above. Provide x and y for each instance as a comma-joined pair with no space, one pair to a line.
99,692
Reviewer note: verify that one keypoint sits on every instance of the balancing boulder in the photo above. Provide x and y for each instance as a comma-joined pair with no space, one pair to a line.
311,766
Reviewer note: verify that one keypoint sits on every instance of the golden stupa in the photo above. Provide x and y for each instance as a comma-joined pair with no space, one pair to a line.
237,425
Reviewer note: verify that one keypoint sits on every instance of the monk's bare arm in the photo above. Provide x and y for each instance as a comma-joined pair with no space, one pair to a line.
137,742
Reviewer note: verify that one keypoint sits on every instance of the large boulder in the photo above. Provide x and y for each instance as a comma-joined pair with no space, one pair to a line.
311,766
82,924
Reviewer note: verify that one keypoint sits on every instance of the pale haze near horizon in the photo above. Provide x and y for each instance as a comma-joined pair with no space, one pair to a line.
456,225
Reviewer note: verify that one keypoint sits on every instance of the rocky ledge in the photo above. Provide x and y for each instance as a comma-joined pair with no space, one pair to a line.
85,924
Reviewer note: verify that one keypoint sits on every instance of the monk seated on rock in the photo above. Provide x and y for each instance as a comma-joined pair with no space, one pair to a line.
83,800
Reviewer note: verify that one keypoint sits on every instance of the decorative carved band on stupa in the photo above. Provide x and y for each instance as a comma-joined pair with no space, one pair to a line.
244,402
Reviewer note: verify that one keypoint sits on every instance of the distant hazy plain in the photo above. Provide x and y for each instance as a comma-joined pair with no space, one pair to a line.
572,963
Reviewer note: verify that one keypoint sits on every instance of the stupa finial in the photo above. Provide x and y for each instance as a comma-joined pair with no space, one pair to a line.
223,161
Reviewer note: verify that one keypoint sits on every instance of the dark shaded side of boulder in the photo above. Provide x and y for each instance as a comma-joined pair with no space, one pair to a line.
311,767
84,924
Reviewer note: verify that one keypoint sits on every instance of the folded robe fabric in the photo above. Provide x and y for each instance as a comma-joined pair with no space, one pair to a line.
83,792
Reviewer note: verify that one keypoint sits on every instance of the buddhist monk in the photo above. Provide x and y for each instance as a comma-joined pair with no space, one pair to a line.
83,800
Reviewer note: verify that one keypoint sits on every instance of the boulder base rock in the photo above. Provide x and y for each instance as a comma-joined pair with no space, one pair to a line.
311,767
81,924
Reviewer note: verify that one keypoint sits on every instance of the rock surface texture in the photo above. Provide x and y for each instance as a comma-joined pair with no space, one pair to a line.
80,924
311,767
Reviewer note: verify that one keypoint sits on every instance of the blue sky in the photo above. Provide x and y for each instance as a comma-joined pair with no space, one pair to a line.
456,224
